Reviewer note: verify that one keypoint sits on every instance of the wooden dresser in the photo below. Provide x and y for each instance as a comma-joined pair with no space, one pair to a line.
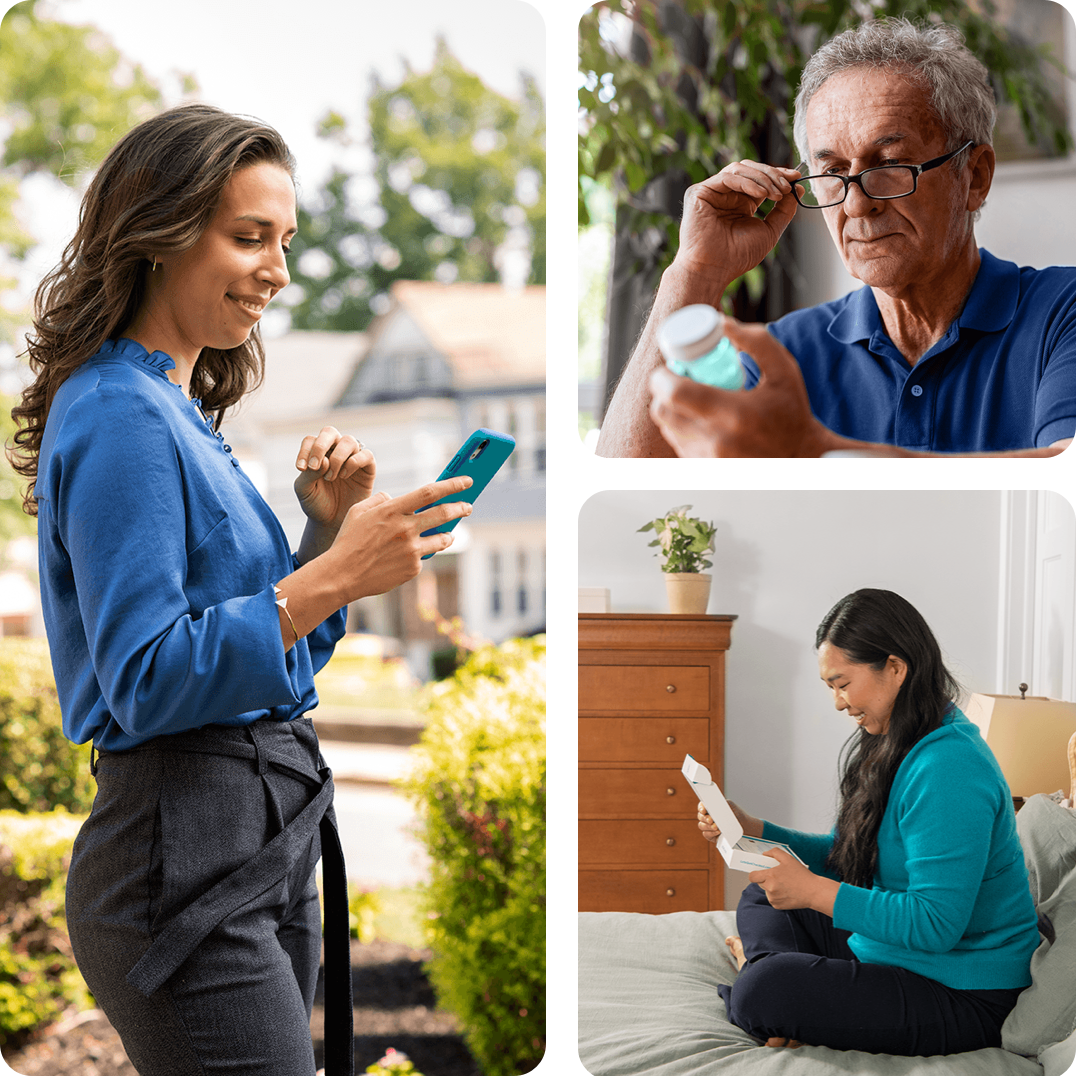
651,688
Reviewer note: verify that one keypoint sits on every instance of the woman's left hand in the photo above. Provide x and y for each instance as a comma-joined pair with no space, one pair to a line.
335,472
791,885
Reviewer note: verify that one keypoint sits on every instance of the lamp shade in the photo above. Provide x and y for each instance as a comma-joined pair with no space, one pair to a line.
1029,737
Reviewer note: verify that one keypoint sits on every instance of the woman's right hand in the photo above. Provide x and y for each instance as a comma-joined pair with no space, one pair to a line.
752,826
380,544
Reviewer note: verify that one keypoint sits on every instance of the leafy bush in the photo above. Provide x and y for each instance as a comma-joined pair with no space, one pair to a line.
40,769
479,786
38,976
363,906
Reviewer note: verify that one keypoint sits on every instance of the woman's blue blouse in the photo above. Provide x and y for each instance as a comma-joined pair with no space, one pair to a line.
158,559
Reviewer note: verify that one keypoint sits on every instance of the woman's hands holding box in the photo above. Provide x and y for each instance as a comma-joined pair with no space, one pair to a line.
752,826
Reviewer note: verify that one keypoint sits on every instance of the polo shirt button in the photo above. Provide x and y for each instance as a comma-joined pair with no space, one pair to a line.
917,390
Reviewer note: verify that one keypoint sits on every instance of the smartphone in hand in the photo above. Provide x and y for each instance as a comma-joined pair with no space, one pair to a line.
481,457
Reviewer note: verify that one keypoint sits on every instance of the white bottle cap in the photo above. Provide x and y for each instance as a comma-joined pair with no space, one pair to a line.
846,454
690,332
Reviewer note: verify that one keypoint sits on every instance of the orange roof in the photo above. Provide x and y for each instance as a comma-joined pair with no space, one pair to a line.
489,333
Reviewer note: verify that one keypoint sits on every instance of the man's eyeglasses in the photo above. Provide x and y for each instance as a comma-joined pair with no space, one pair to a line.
886,181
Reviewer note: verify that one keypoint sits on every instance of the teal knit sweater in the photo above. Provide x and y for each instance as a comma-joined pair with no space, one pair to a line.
951,899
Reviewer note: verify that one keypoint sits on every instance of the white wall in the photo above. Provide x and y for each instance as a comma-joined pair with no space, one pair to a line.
782,560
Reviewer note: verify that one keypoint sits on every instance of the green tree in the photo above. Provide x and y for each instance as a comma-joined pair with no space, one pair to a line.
67,95
457,167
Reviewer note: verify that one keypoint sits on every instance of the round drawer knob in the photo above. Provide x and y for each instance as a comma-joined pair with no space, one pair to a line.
670,739
670,792
670,892
670,841
670,688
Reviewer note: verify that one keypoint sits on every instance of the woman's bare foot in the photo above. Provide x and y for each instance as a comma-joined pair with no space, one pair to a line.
736,948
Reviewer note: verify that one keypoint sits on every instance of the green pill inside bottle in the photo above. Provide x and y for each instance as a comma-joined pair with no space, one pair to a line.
694,345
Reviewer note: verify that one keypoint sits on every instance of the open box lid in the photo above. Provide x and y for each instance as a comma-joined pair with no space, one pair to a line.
713,799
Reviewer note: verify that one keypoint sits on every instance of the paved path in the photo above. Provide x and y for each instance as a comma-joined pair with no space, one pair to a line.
375,820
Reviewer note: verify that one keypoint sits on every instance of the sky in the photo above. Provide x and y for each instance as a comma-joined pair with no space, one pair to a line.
288,63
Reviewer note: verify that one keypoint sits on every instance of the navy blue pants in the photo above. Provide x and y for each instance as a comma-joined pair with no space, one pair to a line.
803,982
192,905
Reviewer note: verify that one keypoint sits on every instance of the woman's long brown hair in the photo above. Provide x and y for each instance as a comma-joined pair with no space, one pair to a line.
154,194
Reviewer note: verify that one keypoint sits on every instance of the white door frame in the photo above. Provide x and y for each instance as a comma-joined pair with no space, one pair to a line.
1037,599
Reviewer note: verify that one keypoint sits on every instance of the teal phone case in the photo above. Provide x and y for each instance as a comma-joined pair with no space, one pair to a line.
480,456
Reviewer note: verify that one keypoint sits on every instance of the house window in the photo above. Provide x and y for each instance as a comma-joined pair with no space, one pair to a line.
521,589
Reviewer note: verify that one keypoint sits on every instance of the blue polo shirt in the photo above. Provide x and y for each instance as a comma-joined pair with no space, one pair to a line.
1002,377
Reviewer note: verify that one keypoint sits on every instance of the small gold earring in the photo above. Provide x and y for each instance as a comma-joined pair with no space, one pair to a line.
154,269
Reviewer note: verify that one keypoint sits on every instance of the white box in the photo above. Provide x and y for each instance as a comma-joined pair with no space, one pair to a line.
593,600
739,852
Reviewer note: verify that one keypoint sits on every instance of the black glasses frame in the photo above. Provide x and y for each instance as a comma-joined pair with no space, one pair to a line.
916,169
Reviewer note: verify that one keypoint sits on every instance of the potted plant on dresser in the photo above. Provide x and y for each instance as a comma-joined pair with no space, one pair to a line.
683,542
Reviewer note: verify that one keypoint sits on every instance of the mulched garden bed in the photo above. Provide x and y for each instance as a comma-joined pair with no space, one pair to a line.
394,1006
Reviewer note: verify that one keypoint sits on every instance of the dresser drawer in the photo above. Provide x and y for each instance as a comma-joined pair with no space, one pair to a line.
643,739
654,892
646,688
635,794
675,842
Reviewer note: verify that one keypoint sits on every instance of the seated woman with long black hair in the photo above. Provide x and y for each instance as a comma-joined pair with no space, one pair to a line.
910,929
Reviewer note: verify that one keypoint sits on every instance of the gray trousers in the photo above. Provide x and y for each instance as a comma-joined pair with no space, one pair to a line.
192,905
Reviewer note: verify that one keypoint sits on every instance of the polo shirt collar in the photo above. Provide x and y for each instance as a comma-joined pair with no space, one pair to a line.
990,306
991,303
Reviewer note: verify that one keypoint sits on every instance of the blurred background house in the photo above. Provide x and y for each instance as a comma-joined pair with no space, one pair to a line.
20,600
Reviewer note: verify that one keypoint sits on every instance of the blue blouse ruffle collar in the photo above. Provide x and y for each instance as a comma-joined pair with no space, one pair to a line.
125,348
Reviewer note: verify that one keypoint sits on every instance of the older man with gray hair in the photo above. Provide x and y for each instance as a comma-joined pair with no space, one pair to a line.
947,350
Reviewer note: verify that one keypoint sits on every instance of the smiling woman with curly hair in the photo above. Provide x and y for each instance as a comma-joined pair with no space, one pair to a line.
184,632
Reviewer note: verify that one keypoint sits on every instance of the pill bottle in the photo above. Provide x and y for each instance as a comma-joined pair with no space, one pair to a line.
694,345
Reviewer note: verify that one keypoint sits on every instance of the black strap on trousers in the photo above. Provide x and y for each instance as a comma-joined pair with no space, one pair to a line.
188,928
